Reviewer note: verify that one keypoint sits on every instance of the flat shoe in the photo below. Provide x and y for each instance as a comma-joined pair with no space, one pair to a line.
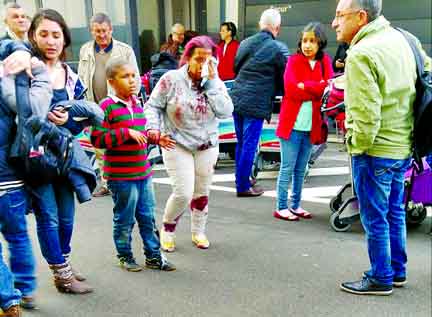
302,214
286,218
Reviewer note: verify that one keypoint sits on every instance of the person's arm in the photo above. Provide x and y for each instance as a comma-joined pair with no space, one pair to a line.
40,89
105,137
241,55
316,88
16,56
291,83
82,64
219,100
281,61
363,100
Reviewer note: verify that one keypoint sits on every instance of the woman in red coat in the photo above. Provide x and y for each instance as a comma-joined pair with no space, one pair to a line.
305,79
227,50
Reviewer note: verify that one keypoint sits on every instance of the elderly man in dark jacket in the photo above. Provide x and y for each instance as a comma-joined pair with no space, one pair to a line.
259,65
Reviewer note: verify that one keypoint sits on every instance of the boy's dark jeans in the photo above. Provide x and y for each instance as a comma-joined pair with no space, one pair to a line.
134,201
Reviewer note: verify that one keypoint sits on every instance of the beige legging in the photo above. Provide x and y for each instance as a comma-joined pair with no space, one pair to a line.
191,176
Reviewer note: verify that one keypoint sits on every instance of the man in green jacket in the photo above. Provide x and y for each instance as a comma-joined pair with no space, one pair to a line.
380,90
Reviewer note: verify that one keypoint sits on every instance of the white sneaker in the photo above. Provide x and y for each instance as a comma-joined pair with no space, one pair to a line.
167,240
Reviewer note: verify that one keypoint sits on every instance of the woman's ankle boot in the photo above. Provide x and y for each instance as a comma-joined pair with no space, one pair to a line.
66,282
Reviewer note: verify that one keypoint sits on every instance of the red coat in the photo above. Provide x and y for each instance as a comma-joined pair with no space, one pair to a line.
226,62
297,71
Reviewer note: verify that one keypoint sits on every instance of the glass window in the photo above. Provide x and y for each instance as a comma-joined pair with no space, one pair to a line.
213,16
116,10
72,11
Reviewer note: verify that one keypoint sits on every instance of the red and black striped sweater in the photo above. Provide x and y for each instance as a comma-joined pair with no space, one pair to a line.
124,158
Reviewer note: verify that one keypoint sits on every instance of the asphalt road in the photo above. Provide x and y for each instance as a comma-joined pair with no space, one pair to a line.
256,265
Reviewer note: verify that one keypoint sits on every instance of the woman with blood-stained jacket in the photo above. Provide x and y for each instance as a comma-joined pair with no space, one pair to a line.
186,104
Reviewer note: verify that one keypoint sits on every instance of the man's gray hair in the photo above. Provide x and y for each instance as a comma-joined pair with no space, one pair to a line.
270,17
100,18
10,5
372,7
113,66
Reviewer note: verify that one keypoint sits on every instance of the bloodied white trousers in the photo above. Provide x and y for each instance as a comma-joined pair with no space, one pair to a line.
191,175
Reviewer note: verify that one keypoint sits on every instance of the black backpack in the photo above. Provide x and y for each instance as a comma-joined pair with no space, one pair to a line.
40,151
422,141
161,63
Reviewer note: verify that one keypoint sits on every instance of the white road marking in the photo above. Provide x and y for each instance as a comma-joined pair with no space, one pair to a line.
320,194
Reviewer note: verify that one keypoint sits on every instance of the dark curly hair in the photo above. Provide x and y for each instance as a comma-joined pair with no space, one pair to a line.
318,30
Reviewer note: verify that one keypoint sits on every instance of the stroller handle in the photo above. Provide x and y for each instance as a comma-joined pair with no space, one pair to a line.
339,105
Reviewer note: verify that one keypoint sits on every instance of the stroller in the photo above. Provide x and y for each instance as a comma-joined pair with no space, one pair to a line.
344,206
417,196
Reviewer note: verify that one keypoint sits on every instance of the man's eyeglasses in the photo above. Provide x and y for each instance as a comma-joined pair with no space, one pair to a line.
341,14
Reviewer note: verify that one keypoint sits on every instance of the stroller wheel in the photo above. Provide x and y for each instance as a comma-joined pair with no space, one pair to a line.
335,203
415,215
337,225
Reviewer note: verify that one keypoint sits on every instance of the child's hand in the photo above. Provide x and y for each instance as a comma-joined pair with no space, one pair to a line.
153,136
301,86
138,136
166,142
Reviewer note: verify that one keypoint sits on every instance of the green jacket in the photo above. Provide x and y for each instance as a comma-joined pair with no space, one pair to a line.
380,91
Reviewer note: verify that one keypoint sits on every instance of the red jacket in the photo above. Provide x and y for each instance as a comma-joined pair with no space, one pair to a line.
226,62
297,71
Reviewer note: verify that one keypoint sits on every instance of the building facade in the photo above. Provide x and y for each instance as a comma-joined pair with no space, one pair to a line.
145,24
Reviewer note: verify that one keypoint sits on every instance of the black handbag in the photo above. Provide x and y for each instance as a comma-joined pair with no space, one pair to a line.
40,150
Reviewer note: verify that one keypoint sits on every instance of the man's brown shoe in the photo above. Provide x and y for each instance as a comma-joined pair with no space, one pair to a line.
254,191
101,192
13,311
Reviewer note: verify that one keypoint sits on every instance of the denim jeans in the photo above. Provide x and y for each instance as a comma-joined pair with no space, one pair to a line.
13,225
134,200
9,295
54,208
295,153
248,131
379,184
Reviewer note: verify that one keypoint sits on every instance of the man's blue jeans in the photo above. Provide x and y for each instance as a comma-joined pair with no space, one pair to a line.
295,154
13,225
248,131
134,200
379,185
54,208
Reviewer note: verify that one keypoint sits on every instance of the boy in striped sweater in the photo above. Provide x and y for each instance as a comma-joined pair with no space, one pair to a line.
127,168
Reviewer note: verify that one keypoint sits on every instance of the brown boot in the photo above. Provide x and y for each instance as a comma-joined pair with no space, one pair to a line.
78,275
65,281
75,272
13,311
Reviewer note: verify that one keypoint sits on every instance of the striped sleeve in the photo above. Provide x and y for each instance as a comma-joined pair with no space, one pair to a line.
105,136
